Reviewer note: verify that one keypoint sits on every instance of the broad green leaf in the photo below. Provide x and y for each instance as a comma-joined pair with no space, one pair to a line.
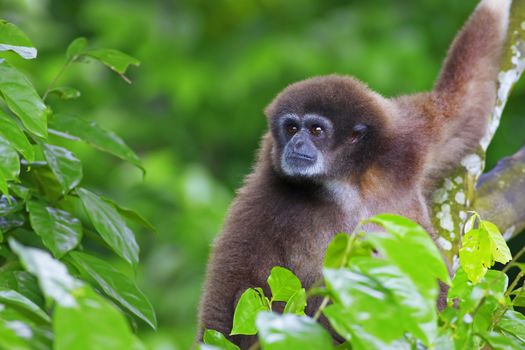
417,314
519,299
338,251
117,285
130,214
475,254
9,164
23,282
65,92
60,231
110,225
513,322
52,275
89,132
297,303
9,339
13,39
217,339
21,98
283,283
114,59
11,132
15,299
9,205
284,332
364,311
500,249
93,323
76,48
251,302
66,167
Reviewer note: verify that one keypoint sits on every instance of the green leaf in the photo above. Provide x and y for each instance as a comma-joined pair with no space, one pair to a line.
500,249
114,59
93,323
297,303
513,322
13,39
52,275
89,132
21,98
217,339
9,339
11,132
502,342
15,299
365,311
130,214
283,283
475,254
284,332
23,282
338,251
65,92
66,167
117,285
60,231
406,235
9,164
76,48
110,225
251,302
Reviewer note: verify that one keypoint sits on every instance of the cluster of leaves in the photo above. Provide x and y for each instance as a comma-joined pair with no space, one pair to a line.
54,293
380,292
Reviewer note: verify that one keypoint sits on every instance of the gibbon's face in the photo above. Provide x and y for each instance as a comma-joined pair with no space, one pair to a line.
325,128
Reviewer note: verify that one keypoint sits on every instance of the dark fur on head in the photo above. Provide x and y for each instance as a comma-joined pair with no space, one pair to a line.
292,204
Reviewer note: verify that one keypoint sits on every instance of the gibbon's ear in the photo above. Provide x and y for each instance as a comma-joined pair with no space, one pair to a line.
465,92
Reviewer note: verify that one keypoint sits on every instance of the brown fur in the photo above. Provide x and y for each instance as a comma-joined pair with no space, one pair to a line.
416,140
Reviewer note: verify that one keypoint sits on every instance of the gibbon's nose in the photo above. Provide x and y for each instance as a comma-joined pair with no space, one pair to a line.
302,147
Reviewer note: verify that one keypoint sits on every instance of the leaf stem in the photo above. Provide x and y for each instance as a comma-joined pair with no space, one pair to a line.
57,77
255,346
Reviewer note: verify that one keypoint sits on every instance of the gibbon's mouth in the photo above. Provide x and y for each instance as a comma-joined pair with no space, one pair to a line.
301,156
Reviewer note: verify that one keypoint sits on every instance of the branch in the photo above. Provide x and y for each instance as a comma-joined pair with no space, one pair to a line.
501,195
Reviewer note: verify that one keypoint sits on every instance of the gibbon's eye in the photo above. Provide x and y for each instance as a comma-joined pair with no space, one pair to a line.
292,129
357,132
316,130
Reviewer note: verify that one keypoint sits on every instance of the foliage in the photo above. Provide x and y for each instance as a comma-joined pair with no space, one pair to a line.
54,292
376,297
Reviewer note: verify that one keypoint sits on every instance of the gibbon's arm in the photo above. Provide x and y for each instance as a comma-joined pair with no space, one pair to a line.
465,92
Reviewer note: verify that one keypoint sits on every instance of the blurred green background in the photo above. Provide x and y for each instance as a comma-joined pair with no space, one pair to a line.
194,110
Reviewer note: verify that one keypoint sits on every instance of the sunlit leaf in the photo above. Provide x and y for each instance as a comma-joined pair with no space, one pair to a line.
110,225
9,339
288,331
11,132
115,284
251,302
130,214
475,255
14,298
76,48
13,39
502,342
297,303
23,282
338,250
52,275
60,231
65,92
364,311
93,323
217,339
21,98
66,167
283,283
500,249
89,132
